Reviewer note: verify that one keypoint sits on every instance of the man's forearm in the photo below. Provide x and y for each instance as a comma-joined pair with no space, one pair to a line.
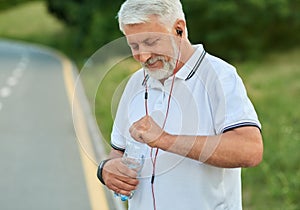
241,147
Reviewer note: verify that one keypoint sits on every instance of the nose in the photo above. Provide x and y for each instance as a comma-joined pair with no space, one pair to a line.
143,56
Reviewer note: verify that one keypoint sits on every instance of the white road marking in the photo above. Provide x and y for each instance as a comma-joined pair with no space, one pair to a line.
17,73
5,92
12,81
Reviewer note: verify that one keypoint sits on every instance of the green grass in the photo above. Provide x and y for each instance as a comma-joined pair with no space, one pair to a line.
31,22
25,20
106,87
273,84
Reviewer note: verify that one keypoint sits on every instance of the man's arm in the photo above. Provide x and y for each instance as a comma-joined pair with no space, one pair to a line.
115,154
240,147
117,176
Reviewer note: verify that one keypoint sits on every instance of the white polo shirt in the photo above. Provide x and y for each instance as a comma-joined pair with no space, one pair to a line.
208,98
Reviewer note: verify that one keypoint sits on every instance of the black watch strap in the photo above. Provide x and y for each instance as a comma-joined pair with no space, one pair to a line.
100,169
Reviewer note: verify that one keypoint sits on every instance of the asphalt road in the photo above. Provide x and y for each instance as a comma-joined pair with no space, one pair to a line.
41,166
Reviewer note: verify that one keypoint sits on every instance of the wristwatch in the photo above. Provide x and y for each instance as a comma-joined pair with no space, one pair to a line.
100,169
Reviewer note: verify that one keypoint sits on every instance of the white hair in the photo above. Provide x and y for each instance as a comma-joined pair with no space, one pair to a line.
139,11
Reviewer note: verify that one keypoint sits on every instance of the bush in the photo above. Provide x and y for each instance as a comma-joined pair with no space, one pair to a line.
232,29
237,29
92,22
6,4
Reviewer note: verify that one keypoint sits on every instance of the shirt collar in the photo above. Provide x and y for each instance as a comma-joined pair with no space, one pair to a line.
191,63
185,69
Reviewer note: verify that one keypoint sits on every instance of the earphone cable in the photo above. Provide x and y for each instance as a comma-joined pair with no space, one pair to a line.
153,160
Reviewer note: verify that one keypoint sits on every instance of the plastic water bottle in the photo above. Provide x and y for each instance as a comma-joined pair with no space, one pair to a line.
133,158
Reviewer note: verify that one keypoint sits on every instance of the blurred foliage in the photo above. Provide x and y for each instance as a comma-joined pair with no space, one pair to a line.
6,4
238,29
93,22
232,29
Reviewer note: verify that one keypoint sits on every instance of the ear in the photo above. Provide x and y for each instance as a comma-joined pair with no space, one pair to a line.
179,28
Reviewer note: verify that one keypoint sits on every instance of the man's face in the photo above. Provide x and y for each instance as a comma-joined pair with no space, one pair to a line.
154,47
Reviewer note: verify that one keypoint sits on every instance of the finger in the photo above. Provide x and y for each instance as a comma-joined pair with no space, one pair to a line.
140,124
122,192
125,173
118,186
136,134
132,127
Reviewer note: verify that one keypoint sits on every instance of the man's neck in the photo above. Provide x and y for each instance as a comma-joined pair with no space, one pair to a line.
185,54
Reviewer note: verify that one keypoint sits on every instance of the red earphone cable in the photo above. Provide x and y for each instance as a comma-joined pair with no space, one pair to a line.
146,94
153,160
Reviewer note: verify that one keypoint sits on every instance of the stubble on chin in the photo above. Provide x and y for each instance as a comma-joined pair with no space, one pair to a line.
163,73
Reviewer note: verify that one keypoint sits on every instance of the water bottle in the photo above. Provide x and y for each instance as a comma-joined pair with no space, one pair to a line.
133,158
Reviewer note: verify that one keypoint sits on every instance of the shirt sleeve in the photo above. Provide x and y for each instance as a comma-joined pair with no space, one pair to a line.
123,119
121,123
231,106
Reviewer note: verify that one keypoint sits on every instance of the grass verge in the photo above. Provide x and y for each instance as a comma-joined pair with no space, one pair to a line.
274,86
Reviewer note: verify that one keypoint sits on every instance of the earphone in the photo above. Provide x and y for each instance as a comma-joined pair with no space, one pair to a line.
179,32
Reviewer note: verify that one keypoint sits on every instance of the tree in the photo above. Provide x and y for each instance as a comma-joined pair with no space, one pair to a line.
232,29
6,4
93,21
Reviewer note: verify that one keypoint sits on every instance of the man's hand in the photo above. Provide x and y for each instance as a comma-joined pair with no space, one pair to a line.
119,178
146,130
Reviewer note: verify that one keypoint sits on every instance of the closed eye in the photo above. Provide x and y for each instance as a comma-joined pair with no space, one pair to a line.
151,42
134,46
